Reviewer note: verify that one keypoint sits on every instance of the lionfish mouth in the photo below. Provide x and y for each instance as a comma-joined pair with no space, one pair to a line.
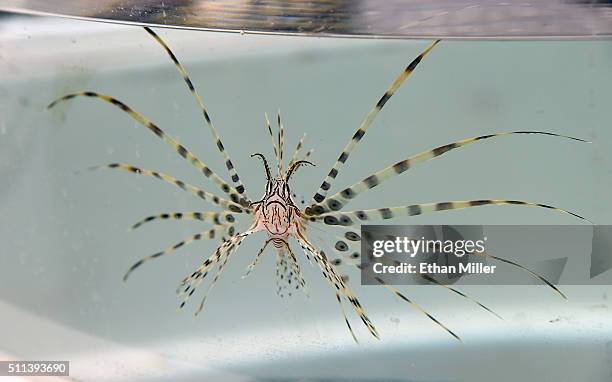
274,230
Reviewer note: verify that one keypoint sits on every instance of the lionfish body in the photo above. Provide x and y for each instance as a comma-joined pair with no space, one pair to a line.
279,217
276,214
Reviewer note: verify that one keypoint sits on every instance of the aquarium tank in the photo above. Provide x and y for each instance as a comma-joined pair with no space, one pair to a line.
326,190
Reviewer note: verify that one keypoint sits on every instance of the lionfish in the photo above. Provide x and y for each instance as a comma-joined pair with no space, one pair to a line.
278,215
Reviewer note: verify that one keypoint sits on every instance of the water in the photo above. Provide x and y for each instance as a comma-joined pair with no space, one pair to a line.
65,244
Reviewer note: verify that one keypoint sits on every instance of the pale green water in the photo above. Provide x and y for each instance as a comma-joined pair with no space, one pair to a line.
65,246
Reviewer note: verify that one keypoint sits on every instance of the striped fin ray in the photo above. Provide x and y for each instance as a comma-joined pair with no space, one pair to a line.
308,154
338,293
365,124
297,272
228,252
282,272
206,196
339,285
188,286
458,292
348,324
216,218
348,247
417,307
191,283
288,273
342,198
256,259
228,162
532,273
209,234
307,254
347,244
354,217
281,140
269,125
298,147
180,149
